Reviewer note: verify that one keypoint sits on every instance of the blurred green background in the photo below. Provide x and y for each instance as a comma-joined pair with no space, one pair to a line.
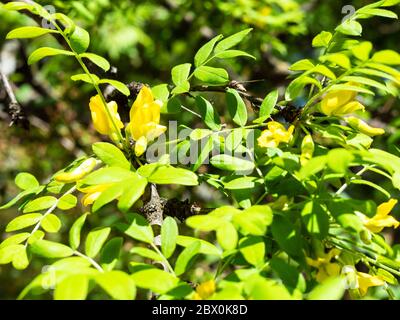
143,40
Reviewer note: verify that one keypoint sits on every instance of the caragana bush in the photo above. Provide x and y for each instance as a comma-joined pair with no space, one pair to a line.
288,230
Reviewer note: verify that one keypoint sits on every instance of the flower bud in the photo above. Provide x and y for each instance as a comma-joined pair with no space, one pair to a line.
364,127
78,173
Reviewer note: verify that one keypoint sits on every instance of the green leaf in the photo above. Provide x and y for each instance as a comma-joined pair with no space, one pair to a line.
132,191
7,253
204,52
95,240
241,183
117,284
20,259
75,232
108,195
160,92
20,196
302,65
185,257
378,12
313,166
253,250
204,222
28,32
88,78
330,289
43,52
50,249
339,59
372,185
110,253
155,280
388,57
340,87
15,239
180,74
325,71
229,163
26,181
208,113
79,40
67,202
211,75
37,235
108,175
287,237
39,204
171,175
17,5
254,220
231,41
316,219
236,107
97,60
228,54
72,287
361,51
269,103
205,151
322,39
227,236
169,234
23,221
140,229
350,27
366,81
147,253
121,87
51,223
205,247
339,160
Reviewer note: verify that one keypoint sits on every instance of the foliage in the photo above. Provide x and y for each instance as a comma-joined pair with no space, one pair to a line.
288,228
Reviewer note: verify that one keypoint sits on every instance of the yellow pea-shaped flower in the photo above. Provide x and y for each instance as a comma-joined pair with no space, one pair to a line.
101,120
340,102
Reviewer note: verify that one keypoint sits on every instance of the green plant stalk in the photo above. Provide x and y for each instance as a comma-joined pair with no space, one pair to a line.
93,263
165,260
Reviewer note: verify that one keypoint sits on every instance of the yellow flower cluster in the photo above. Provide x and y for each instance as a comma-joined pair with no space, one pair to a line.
340,102
382,218
144,122
274,135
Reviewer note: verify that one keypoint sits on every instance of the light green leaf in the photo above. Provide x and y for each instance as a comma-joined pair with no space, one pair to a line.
227,236
169,234
92,78
236,107
72,287
302,65
180,74
23,221
362,50
254,220
208,113
269,103
388,57
140,229
79,40
108,195
171,175
231,41
229,163
44,52
185,257
204,222
67,202
330,289
117,284
15,239
378,12
205,246
350,27
121,87
75,232
315,219
205,151
37,235
228,54
132,191
108,175
253,250
50,249
51,223
241,183
365,81
26,181
95,240
339,59
322,39
147,253
211,75
28,32
154,279
39,204
20,259
97,60
204,52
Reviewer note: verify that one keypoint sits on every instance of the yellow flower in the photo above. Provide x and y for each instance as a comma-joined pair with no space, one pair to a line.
381,218
325,267
265,11
144,124
93,192
274,135
365,280
204,290
101,120
340,102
